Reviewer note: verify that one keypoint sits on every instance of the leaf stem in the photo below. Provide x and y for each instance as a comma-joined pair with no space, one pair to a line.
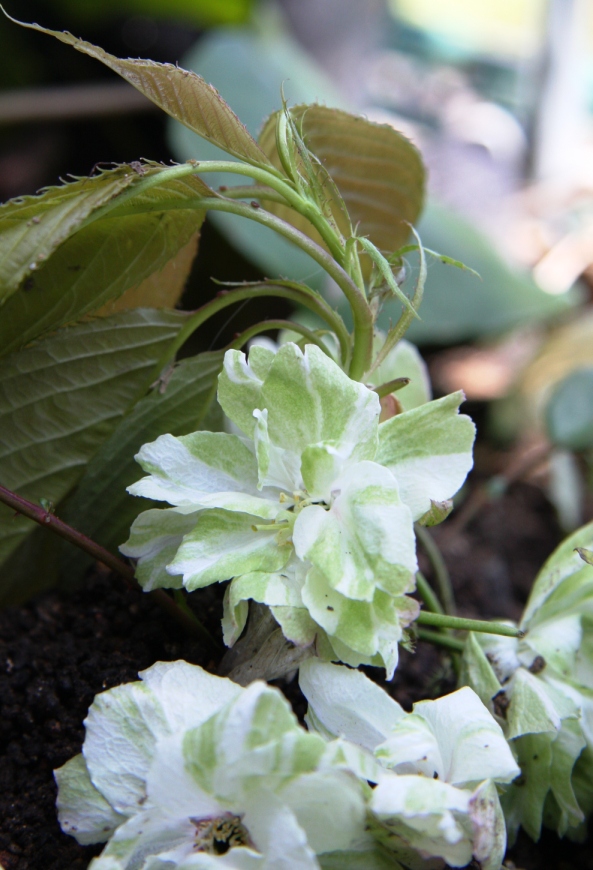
38,514
265,325
361,312
441,572
460,623
427,594
406,317
440,639
230,297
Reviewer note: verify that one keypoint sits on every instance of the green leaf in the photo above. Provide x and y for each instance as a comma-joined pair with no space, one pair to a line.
250,69
378,172
182,94
101,507
103,260
61,398
569,412
32,227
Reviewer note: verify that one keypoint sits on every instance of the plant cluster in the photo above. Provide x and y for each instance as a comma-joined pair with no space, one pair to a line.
304,487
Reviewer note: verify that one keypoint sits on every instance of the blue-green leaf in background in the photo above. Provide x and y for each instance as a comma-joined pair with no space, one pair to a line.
249,68
569,412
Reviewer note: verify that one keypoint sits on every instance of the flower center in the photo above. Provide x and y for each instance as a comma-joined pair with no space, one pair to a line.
217,836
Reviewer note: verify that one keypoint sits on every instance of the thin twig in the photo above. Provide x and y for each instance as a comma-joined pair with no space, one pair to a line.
38,514
436,637
460,623
441,572
71,102
427,594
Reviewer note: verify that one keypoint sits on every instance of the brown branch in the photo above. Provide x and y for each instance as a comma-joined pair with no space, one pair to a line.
71,102
38,514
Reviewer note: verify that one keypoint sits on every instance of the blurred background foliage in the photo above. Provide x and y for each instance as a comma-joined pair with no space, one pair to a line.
496,94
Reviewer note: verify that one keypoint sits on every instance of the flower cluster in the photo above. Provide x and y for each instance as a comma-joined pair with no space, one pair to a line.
436,796
187,770
310,510
541,690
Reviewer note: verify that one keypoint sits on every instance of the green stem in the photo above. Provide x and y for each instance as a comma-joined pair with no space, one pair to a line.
391,387
361,312
441,572
199,317
441,639
288,194
252,191
314,302
460,623
38,514
427,594
406,317
266,325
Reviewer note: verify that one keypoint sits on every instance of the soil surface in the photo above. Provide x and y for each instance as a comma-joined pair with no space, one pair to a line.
57,652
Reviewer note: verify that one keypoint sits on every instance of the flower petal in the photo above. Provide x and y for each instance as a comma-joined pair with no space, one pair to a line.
189,694
83,812
347,703
310,399
240,384
430,816
429,451
329,807
359,630
203,470
404,361
459,738
225,544
366,540
155,537
122,728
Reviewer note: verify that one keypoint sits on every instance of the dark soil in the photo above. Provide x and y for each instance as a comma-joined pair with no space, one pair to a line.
57,652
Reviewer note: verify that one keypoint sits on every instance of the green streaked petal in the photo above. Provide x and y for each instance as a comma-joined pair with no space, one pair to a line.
239,391
296,624
455,737
329,806
310,399
254,739
122,728
277,467
347,703
155,537
224,544
366,540
203,470
364,629
429,451
83,812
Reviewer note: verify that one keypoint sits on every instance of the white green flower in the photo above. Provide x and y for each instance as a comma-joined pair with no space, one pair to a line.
541,689
310,511
436,796
185,769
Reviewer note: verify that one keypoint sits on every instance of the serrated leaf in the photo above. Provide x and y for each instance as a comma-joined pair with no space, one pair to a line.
102,261
183,95
32,227
378,172
101,507
61,398
162,289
